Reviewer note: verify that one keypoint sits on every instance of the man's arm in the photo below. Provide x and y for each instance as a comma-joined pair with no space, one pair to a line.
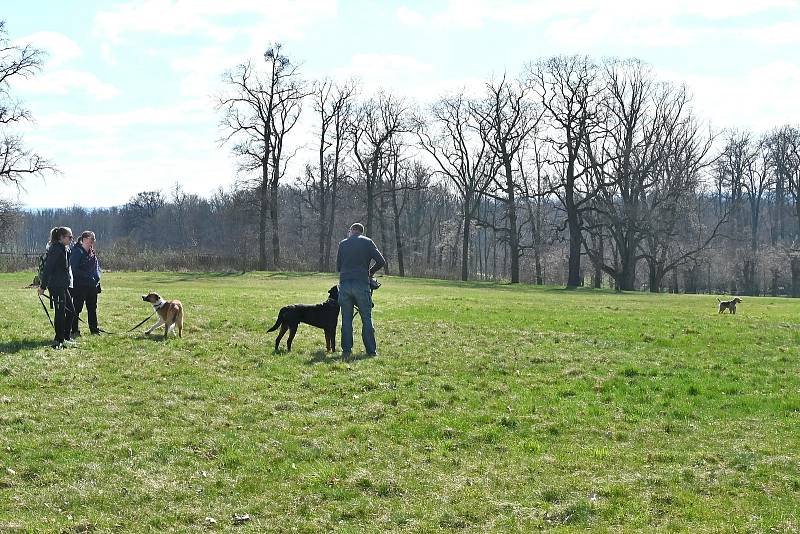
380,261
339,259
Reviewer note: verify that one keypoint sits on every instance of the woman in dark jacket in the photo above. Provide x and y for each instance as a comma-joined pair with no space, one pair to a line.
86,284
57,277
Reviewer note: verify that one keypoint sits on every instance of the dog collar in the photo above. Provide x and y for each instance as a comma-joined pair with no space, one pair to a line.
160,304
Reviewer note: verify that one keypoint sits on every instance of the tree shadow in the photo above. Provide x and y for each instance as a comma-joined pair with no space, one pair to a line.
321,356
19,345
157,337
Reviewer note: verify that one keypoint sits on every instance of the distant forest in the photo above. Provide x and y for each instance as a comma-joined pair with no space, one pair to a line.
572,172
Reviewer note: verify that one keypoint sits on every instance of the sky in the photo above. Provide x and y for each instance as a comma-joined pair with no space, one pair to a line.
125,101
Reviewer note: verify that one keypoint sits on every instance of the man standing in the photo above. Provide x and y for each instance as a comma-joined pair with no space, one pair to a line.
353,263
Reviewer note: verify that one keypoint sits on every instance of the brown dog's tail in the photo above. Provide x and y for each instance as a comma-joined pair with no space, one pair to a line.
277,322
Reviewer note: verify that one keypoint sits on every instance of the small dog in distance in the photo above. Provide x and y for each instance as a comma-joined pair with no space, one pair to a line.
729,305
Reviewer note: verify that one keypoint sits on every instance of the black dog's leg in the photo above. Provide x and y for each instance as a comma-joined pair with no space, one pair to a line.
280,335
330,339
292,332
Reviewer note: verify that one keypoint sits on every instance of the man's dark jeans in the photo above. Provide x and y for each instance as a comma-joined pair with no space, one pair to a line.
356,292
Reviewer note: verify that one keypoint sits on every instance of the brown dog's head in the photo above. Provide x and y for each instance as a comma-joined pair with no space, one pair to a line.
333,294
737,300
152,298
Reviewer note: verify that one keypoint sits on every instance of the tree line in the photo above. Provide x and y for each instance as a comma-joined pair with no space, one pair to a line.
574,171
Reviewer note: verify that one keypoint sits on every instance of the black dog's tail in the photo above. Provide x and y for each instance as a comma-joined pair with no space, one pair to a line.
278,322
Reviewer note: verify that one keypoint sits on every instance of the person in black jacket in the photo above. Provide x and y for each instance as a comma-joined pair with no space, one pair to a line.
86,282
57,277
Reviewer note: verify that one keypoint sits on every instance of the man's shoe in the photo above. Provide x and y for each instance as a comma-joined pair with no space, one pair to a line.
95,332
372,354
75,334
69,343
56,344
346,355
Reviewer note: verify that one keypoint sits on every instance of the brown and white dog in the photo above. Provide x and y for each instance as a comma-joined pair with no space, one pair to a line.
729,305
170,313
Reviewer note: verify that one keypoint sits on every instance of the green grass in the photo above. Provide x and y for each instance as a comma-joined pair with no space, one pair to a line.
489,408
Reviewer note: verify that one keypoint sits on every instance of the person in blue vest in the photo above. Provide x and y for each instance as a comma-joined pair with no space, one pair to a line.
57,278
86,283
354,263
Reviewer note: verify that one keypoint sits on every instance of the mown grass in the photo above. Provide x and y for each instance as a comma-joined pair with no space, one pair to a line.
489,408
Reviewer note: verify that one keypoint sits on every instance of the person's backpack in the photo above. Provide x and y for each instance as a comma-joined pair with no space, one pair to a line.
37,280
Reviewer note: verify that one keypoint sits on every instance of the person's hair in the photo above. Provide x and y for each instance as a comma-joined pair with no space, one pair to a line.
58,232
357,227
85,234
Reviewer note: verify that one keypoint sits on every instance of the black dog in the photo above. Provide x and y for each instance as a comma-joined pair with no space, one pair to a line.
325,316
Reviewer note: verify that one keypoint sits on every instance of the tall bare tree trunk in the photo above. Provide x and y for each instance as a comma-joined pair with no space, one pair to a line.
263,209
276,243
398,237
467,219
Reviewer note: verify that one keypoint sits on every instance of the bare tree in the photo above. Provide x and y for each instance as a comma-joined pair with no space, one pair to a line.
682,224
260,109
9,218
378,120
757,184
569,94
333,104
462,154
536,194
642,116
16,160
507,119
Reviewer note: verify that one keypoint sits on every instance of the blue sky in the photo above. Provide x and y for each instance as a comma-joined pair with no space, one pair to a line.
125,100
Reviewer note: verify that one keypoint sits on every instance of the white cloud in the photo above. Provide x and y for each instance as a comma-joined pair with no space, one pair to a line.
56,80
408,16
185,113
759,99
64,81
389,71
466,14
60,48
785,32
285,18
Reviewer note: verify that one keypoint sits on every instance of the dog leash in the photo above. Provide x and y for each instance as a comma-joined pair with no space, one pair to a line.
47,312
371,291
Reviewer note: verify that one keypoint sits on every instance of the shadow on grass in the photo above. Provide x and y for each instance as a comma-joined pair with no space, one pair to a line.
321,356
11,347
158,337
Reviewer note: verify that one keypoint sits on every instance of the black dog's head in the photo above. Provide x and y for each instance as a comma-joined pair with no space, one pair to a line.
333,294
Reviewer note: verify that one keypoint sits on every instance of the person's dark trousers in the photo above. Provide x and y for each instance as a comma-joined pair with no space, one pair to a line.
62,314
356,293
87,296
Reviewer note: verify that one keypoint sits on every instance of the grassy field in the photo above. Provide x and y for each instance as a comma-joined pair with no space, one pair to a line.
489,408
